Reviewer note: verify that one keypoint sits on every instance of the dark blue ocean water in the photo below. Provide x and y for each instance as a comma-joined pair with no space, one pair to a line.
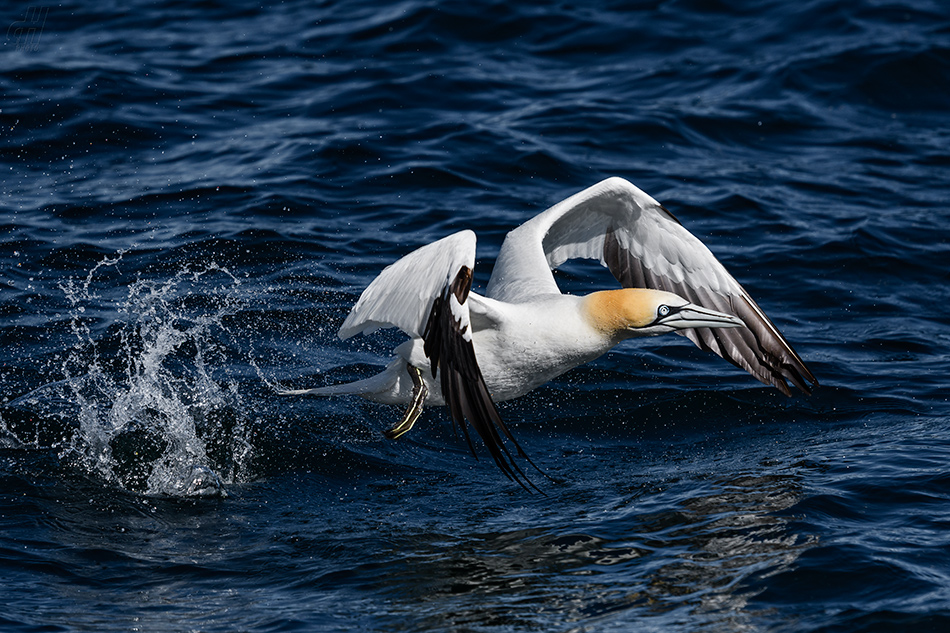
193,194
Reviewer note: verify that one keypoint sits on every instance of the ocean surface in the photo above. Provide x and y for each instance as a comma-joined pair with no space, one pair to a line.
193,194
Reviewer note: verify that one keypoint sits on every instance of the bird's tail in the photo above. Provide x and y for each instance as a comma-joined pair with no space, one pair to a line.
375,385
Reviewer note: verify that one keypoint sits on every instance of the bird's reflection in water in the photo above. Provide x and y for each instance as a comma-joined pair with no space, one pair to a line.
689,562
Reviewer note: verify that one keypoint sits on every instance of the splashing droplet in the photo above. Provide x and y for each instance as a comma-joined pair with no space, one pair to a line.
146,389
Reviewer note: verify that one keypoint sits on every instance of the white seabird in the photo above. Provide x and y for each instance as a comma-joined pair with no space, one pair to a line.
525,332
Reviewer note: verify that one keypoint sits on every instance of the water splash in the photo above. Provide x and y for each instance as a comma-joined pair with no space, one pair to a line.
146,390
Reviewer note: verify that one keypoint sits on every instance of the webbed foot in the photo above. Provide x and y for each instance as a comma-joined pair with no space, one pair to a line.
419,394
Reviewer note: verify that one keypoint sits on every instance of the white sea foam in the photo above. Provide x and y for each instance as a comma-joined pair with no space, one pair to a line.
151,407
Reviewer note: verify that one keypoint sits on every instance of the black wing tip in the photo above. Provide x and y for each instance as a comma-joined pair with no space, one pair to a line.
768,356
780,372
801,380
463,386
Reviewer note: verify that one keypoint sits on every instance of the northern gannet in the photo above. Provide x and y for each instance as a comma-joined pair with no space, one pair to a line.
525,332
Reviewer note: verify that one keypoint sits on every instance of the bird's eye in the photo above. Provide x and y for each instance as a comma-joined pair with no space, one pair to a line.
663,310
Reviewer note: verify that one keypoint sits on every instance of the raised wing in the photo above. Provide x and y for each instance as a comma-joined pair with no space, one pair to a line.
426,295
402,295
643,245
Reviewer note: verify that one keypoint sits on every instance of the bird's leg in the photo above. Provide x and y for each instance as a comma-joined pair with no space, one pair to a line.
419,394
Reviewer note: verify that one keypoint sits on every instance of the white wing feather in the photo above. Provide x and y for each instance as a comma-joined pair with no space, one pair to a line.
403,293
577,227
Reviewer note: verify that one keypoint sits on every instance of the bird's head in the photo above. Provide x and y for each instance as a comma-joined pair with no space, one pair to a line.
633,312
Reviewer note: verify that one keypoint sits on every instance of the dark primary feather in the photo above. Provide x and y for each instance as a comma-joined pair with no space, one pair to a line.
463,386
760,348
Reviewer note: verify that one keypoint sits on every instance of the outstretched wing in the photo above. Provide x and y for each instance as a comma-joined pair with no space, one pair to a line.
425,294
644,246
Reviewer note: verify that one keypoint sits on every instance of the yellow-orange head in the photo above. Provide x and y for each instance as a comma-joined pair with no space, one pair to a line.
630,312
